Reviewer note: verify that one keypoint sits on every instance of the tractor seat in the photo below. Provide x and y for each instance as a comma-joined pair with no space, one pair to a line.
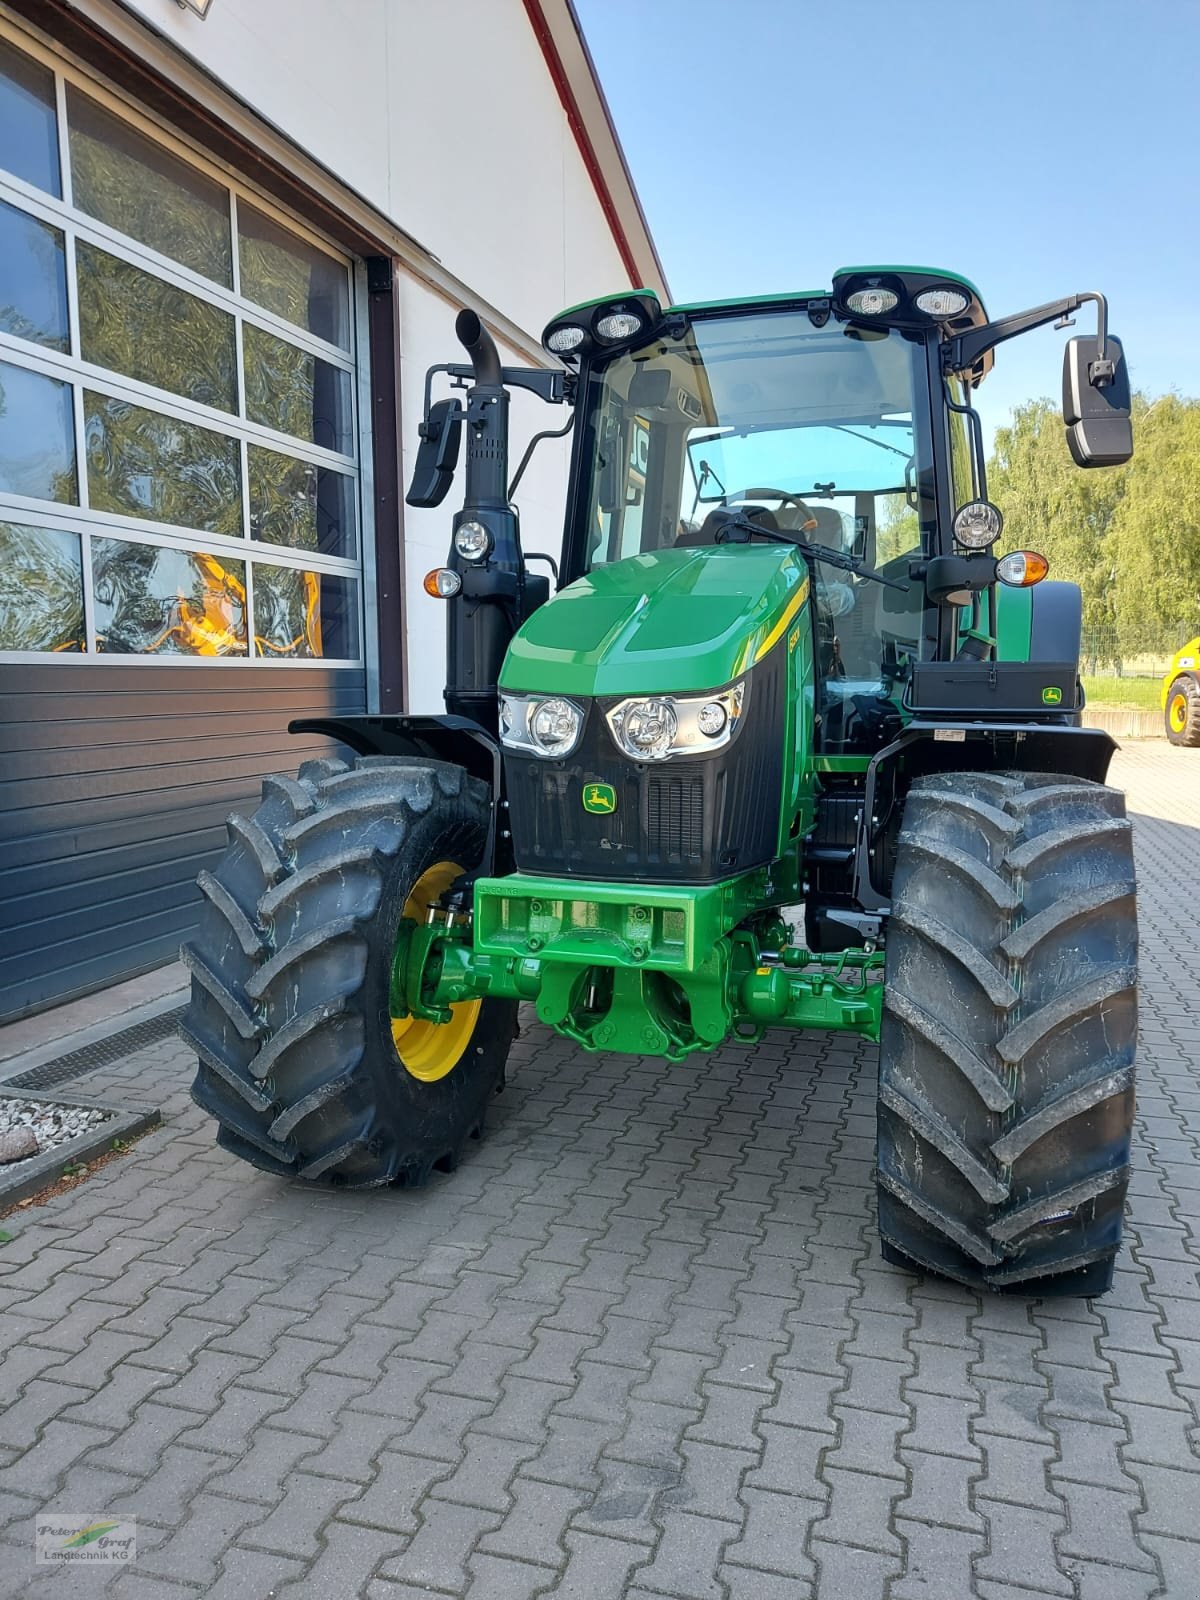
830,530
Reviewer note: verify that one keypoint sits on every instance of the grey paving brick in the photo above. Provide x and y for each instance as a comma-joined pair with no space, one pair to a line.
597,1568
1100,1582
533,1528
192,1550
688,1555
1101,1524
437,1555
1172,1502
176,1348
1016,1470
502,1578
525,1407
571,1450
1021,1549
877,1385
744,1584
1176,1559
939,1491
260,1475
775,1535
711,1478
941,1369
201,1387
866,1441
848,1573
483,1475
1090,1453
730,1417
392,1499
1163,1438
438,1431
937,1563
250,1574
1014,1409
859,1510
349,1559
292,1527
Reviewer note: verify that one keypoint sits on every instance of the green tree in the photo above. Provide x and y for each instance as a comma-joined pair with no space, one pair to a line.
1154,542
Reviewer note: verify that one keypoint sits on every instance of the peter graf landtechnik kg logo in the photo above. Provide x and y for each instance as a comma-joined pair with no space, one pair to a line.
64,1536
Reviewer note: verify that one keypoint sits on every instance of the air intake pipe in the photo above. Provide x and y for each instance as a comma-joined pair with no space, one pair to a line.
482,621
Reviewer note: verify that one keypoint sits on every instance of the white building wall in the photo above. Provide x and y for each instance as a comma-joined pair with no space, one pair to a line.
443,115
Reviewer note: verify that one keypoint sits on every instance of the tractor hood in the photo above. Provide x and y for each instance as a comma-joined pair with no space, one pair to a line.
669,621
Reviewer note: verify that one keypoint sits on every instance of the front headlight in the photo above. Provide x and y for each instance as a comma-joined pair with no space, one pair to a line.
660,726
547,727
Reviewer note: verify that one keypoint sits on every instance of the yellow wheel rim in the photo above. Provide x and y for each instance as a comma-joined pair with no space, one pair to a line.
1178,713
431,1050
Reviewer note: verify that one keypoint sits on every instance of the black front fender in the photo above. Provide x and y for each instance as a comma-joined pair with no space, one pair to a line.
442,738
926,747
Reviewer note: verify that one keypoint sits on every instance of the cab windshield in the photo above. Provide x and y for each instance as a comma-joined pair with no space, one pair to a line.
822,431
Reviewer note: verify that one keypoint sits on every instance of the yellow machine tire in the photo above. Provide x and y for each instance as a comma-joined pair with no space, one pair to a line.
1181,716
301,1063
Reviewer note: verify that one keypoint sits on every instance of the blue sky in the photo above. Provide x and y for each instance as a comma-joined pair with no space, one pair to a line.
1036,146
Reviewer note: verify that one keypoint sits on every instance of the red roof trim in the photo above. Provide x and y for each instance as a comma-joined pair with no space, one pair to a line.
537,22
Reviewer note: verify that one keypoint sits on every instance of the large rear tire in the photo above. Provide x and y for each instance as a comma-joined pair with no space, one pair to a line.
1181,717
300,1060
1006,1081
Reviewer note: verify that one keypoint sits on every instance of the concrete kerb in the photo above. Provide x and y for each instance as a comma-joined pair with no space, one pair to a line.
30,1177
67,1043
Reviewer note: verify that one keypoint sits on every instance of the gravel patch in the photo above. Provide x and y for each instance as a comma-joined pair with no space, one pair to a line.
51,1126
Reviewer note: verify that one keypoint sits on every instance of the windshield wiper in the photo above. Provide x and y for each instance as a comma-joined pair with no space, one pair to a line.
811,552
866,439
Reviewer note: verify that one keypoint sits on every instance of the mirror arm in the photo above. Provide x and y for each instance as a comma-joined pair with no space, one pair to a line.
552,386
961,353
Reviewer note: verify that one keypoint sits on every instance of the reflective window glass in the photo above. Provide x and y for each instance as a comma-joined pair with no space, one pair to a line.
139,187
303,506
292,278
41,598
135,323
153,601
33,279
304,614
28,120
143,464
297,393
37,436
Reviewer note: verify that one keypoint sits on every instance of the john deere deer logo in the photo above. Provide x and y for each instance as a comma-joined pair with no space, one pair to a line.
599,798
1052,696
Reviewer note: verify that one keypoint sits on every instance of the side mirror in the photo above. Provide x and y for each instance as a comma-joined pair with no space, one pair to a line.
1096,403
437,456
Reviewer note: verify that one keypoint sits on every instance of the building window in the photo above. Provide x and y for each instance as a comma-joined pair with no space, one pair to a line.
179,473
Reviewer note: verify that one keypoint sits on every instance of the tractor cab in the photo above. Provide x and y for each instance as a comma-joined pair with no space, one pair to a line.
817,432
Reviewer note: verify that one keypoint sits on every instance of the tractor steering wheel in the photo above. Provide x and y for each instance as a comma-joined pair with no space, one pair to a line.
805,521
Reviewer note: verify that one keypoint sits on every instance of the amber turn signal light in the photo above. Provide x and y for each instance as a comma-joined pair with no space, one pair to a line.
442,583
1020,568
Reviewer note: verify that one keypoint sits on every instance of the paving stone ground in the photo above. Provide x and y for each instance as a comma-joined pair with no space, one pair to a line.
642,1344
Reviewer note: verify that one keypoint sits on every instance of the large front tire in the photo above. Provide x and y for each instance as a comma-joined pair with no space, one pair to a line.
1006,1084
300,1060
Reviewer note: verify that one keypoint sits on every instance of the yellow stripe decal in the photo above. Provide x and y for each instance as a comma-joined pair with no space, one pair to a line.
780,628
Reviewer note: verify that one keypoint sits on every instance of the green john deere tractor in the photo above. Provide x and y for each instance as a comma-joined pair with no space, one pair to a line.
789,748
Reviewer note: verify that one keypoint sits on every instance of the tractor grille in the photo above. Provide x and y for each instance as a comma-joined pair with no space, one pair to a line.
675,816
683,821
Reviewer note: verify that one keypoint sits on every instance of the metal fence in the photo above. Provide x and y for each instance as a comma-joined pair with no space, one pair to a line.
1102,654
